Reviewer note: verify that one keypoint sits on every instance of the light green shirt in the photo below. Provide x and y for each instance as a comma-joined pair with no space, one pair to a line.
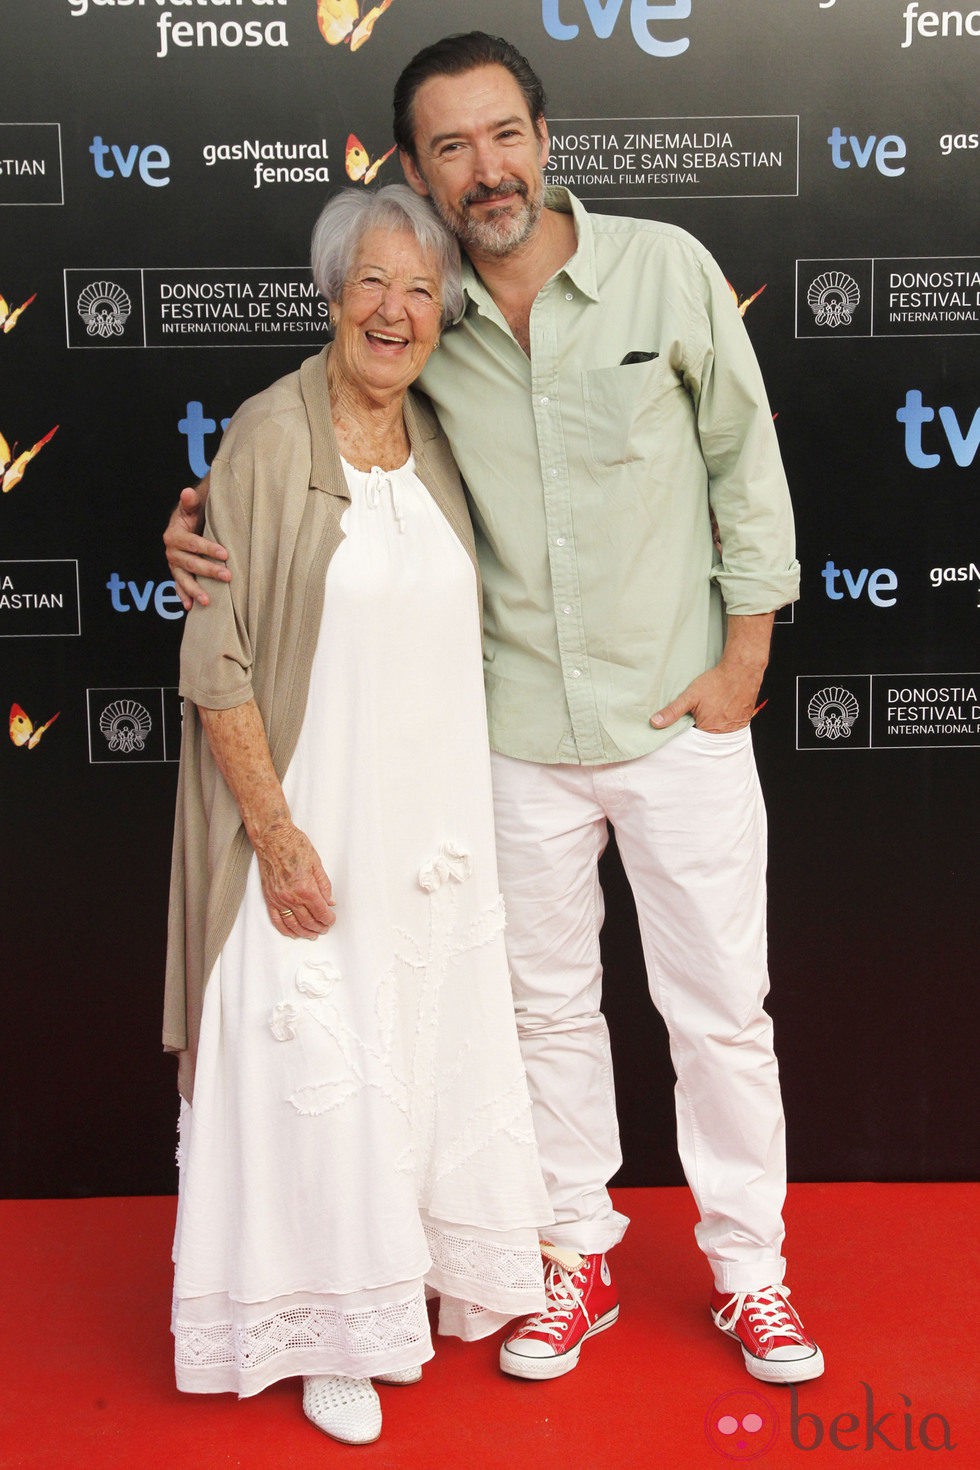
590,484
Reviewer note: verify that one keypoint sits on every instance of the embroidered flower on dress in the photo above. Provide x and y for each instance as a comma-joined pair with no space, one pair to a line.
316,979
282,1021
450,862
323,1097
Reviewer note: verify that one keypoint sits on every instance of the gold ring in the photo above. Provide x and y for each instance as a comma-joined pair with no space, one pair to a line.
286,913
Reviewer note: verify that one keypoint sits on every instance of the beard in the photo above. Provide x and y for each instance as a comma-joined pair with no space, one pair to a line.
498,231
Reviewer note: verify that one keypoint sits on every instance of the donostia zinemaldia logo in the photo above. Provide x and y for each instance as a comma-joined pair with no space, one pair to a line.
125,725
104,307
832,713
833,298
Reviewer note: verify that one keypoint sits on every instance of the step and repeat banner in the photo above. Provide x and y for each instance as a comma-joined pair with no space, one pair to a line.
161,165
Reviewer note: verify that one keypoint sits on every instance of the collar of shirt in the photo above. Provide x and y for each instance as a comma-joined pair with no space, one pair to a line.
580,270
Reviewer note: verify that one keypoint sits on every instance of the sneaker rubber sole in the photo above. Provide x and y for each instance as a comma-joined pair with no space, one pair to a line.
520,1366
800,1370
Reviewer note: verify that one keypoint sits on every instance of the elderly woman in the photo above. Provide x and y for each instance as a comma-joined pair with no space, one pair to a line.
355,1125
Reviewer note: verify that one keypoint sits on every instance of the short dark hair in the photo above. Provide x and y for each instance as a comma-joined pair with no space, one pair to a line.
452,56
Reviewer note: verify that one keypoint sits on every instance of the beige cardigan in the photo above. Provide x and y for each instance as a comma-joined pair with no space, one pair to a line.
276,498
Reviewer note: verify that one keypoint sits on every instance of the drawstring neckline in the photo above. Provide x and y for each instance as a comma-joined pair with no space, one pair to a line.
377,481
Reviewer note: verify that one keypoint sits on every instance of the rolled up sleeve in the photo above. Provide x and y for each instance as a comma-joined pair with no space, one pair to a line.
747,488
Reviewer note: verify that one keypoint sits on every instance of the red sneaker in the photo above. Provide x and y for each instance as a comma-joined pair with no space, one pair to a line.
775,1345
581,1302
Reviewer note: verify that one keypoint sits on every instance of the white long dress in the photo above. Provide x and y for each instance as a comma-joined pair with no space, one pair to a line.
361,1129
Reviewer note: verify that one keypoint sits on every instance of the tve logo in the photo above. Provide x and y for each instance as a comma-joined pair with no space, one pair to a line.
915,414
886,152
149,161
196,426
603,15
127,596
875,584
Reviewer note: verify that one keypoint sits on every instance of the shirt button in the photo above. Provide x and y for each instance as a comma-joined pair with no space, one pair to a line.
566,609
559,540
568,296
544,402
552,474
576,673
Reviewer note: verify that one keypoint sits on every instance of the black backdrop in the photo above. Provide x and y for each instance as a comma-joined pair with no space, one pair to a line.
158,158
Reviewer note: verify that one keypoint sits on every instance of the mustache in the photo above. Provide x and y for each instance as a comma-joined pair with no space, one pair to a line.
481,194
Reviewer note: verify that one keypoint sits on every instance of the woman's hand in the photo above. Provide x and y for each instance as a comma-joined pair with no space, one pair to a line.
295,886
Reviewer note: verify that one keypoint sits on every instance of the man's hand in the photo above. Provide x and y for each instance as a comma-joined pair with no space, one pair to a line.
725,698
189,555
719,699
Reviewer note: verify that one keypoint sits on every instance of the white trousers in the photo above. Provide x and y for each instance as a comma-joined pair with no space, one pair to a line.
691,829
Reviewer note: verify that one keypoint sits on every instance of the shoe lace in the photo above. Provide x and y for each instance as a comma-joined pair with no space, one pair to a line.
768,1307
563,1288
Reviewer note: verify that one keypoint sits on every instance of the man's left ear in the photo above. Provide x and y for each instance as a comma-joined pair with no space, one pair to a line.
413,178
544,139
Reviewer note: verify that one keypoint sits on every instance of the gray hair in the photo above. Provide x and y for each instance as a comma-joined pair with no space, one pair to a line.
349,215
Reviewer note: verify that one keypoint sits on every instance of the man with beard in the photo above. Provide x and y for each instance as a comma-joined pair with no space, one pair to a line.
604,405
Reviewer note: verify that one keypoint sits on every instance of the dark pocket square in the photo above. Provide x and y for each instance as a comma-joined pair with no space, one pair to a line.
632,357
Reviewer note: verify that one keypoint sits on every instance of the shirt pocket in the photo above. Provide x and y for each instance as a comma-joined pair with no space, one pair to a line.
624,407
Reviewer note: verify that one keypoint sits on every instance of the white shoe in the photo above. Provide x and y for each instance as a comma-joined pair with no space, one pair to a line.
401,1376
347,1409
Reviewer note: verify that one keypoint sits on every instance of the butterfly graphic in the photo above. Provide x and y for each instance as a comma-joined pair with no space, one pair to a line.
341,20
11,469
8,318
22,732
743,306
358,162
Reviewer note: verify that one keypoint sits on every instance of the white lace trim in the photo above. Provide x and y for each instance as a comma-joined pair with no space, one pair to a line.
481,1262
242,1347
248,1347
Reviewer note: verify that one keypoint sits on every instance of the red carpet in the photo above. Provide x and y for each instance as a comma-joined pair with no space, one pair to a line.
884,1275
